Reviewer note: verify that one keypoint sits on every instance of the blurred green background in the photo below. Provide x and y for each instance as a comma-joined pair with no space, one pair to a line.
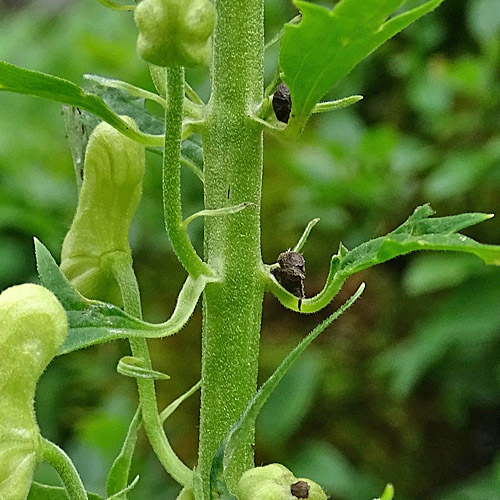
406,386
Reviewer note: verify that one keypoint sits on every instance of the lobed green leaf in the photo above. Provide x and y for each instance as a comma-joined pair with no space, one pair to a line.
92,322
418,232
328,44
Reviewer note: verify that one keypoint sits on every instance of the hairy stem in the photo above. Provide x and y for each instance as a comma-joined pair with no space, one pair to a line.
56,457
152,422
232,307
171,176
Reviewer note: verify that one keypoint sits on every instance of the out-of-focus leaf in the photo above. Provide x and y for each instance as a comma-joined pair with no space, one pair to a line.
327,44
430,272
485,484
467,322
290,402
484,19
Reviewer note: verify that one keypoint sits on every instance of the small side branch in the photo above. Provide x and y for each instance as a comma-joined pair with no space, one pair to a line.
110,4
181,243
305,235
324,107
216,212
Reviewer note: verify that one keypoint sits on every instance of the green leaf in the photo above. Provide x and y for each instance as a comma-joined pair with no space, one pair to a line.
238,434
419,232
40,491
23,81
328,44
92,322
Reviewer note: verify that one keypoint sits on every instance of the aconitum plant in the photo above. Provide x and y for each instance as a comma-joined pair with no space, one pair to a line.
93,296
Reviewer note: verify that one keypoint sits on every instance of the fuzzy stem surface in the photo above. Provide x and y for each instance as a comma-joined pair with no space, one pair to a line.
58,458
232,306
172,176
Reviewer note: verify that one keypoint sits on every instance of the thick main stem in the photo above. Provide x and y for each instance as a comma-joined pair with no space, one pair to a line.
232,307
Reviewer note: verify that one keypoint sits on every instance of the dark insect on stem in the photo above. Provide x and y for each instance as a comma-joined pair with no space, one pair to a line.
291,273
300,489
282,103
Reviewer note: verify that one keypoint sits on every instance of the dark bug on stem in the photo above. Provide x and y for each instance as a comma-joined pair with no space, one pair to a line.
300,489
291,273
282,103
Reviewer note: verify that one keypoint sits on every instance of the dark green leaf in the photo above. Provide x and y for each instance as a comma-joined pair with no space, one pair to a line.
238,434
92,322
327,44
23,81
124,103
420,232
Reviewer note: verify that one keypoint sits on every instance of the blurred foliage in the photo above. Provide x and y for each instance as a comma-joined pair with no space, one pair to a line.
406,386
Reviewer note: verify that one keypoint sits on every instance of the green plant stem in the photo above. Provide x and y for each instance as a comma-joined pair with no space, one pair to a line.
232,307
55,456
172,207
146,387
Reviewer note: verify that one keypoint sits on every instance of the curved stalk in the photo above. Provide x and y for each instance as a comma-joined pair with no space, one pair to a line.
151,420
332,286
57,458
